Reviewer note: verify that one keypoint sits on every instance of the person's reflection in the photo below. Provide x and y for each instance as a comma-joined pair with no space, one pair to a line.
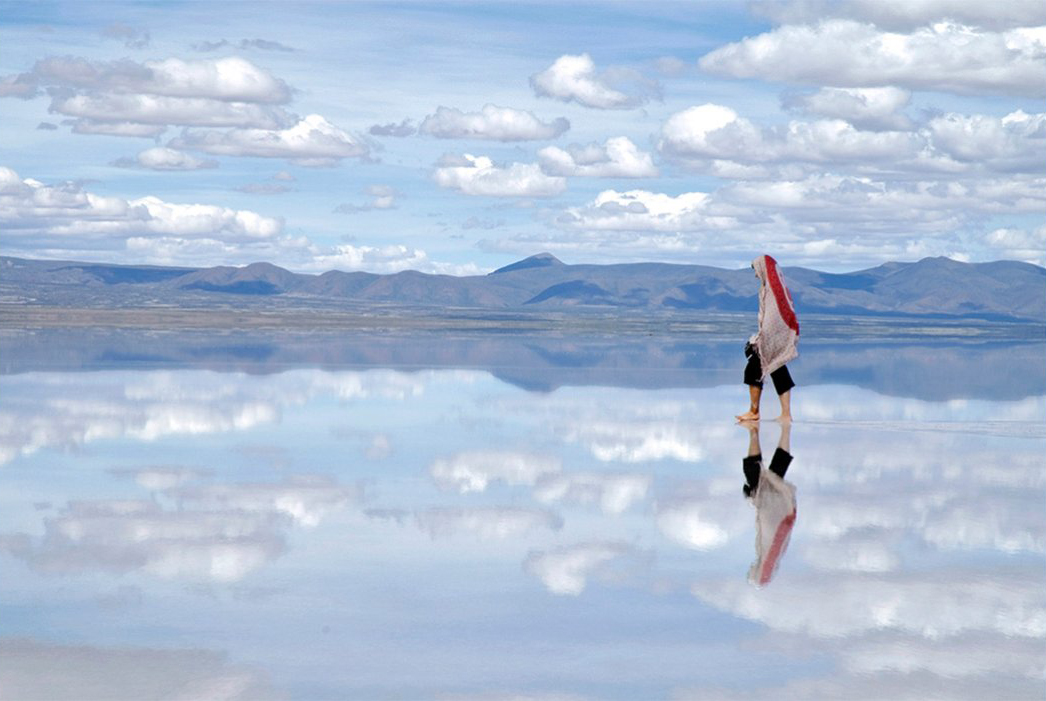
774,501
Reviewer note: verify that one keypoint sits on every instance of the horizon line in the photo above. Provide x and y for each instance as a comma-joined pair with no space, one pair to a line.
495,270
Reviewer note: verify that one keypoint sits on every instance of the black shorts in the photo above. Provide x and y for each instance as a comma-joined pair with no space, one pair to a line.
754,373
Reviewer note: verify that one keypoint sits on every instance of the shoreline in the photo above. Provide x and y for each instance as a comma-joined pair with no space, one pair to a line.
20,317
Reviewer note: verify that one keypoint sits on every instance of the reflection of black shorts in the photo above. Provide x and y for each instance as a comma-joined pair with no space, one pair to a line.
752,464
754,374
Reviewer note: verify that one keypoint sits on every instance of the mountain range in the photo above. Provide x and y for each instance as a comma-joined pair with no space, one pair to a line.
931,287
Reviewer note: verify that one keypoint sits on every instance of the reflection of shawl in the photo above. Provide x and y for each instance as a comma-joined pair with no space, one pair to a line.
774,501
778,327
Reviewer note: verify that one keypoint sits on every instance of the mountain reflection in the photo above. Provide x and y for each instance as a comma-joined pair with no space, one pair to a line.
920,369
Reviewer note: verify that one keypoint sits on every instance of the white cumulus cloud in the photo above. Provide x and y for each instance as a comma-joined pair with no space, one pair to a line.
1015,142
574,78
230,78
163,110
491,123
133,129
808,217
380,259
867,108
901,15
1028,245
313,141
222,92
65,221
163,158
709,131
29,208
716,138
617,157
716,133
642,210
477,175
944,56
380,197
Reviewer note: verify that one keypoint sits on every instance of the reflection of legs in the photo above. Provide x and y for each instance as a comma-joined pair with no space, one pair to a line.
753,463
785,442
782,456
753,440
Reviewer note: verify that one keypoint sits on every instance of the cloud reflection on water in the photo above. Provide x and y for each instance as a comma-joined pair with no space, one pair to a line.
918,544
216,533
71,410
566,570
473,471
486,523
615,493
31,669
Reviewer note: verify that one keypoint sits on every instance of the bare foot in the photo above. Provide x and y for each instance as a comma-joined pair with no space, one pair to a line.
748,416
784,419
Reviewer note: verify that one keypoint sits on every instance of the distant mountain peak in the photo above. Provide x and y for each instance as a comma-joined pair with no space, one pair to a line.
541,260
262,265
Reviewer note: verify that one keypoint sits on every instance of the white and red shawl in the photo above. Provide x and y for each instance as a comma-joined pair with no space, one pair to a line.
778,333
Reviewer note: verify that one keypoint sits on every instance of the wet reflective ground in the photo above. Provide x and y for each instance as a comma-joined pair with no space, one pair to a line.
515,517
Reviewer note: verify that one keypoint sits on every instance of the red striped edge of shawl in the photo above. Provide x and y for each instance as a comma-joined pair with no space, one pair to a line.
770,562
784,300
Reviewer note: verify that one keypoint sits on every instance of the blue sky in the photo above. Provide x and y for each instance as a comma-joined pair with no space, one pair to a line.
458,137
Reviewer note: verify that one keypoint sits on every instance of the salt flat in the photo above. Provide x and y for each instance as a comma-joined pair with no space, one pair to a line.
542,516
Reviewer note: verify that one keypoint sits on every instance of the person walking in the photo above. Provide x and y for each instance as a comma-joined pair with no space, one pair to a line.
774,344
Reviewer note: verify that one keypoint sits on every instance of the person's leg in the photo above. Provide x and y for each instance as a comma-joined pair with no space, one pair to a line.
755,392
753,378
786,407
783,384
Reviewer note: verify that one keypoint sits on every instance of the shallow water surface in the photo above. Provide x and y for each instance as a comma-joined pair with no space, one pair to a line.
528,518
